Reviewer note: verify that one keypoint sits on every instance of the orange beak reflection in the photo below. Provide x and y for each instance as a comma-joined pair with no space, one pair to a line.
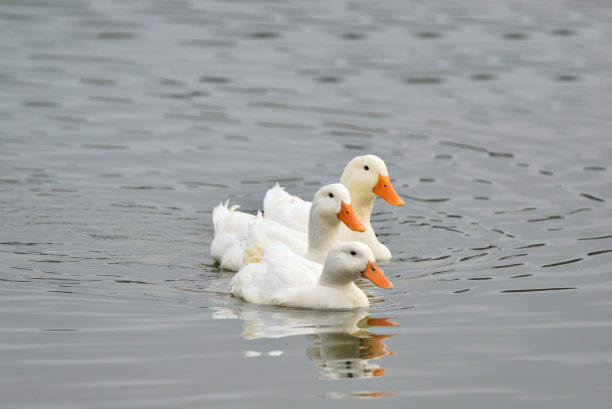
377,373
348,217
373,273
384,189
382,322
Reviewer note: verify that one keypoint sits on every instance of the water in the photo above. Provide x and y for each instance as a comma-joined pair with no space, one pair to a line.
125,122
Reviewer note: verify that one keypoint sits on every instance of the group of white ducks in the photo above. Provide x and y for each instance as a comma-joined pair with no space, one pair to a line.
307,255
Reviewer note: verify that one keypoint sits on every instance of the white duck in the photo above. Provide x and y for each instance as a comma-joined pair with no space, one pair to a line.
233,230
283,278
365,177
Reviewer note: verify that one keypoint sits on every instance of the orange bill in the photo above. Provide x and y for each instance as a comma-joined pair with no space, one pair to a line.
373,273
348,217
384,189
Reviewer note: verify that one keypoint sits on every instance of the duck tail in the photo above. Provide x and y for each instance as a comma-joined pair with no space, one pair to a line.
221,212
275,196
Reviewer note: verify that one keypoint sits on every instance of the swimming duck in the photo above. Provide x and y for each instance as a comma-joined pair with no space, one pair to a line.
330,208
286,279
365,177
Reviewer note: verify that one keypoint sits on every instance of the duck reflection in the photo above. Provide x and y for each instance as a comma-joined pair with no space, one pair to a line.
341,343
342,355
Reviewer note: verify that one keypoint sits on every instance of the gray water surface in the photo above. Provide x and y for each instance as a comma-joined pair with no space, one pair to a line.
123,123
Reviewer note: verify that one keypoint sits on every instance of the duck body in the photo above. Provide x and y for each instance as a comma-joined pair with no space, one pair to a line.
286,279
320,297
366,177
241,238
280,269
233,229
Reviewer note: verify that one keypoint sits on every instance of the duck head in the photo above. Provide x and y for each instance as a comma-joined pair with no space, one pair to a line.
334,201
350,260
367,176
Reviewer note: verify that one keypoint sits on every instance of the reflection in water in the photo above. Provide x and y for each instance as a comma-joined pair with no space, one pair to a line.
356,395
342,355
341,342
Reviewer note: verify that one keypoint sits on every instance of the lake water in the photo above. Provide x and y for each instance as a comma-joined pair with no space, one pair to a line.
123,123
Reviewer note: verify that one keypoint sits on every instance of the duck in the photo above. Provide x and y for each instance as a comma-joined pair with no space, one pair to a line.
366,177
285,279
331,207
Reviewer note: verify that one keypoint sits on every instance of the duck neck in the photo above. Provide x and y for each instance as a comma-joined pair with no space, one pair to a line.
328,279
363,205
322,235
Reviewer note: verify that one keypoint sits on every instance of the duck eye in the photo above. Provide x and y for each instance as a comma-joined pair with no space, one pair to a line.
366,167
353,253
331,195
